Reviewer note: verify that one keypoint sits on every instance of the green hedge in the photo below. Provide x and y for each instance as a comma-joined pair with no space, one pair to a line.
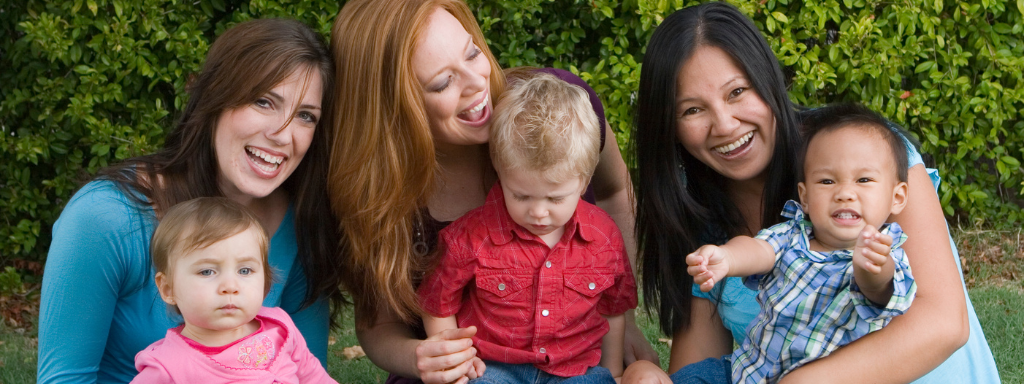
88,82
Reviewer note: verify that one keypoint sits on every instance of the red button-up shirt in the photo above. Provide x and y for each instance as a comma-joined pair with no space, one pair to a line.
532,304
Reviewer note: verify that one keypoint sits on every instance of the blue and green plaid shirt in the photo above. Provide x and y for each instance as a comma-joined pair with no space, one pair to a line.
810,305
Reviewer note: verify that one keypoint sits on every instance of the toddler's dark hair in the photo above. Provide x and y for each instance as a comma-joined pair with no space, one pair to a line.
832,117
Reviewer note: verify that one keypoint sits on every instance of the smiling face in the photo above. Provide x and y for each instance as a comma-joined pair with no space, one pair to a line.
720,119
218,289
850,181
540,206
455,76
260,144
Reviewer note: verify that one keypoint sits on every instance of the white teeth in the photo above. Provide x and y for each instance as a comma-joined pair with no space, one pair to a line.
845,216
276,160
479,107
736,144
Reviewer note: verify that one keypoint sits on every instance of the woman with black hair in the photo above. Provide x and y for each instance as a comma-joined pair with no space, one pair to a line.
716,141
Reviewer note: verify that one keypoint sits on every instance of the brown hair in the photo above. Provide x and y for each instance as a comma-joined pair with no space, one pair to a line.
243,64
547,125
201,222
383,162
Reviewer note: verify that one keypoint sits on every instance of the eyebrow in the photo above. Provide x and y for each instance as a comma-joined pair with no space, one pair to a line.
280,99
724,86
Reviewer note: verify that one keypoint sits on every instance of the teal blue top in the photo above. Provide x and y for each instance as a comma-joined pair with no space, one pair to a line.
972,363
100,305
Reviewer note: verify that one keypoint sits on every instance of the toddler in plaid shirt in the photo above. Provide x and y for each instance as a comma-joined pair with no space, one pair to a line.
834,271
542,274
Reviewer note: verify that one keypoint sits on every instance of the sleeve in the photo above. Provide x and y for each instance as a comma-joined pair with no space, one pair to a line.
90,259
440,293
780,237
151,371
904,288
621,296
312,321
309,368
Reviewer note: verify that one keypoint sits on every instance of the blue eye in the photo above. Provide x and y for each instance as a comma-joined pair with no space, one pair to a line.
245,271
206,272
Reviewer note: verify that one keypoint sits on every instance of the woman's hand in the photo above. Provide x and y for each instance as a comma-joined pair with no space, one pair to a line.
637,347
448,357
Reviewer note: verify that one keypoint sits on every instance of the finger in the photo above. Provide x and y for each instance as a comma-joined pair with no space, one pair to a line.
435,348
695,270
870,267
458,333
456,374
694,259
707,285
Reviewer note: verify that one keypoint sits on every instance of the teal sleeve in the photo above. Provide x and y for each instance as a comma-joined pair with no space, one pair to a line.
736,304
93,258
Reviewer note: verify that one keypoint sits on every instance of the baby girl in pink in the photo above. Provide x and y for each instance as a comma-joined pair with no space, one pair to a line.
211,260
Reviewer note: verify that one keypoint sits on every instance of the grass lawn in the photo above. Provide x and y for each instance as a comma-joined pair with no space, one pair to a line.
992,262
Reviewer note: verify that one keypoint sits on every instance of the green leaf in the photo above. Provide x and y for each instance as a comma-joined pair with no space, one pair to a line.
780,17
92,6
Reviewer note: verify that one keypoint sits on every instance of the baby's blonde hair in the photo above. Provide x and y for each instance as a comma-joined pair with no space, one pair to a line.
200,222
546,125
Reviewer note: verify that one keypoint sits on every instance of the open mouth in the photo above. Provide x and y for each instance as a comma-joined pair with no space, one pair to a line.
263,160
846,216
479,112
736,146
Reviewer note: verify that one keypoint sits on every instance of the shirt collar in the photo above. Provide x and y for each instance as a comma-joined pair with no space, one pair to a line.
502,228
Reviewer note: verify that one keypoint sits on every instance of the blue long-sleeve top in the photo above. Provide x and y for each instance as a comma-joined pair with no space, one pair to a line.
100,305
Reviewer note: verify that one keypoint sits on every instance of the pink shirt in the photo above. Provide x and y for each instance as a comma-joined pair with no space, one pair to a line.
276,353
532,304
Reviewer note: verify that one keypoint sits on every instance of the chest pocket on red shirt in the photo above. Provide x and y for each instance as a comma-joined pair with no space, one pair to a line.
509,295
584,288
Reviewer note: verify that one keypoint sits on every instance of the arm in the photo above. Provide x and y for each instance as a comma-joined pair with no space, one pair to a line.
935,325
611,344
434,325
611,188
308,367
85,270
392,346
705,337
741,256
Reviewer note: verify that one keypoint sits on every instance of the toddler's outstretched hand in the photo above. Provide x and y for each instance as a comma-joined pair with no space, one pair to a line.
871,252
708,265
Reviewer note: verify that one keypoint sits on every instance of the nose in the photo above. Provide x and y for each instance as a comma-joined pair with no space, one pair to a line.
844,193
723,121
282,134
228,285
538,211
475,82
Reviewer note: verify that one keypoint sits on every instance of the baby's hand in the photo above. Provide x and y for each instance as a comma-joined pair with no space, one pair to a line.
871,252
476,370
707,265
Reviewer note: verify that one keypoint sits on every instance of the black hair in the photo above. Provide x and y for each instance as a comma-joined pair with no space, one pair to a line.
833,117
681,203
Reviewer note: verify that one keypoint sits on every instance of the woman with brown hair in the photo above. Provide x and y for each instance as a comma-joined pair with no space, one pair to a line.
250,132
417,85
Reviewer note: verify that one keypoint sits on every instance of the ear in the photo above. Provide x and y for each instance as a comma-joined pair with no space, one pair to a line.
801,190
163,284
899,198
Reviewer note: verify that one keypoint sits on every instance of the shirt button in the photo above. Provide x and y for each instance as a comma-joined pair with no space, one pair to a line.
592,286
547,264
501,287
544,313
542,350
